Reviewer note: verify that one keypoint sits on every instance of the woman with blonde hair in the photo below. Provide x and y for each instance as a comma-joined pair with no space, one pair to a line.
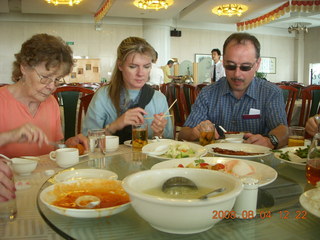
128,100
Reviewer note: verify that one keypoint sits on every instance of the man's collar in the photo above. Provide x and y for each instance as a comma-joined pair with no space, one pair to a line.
250,92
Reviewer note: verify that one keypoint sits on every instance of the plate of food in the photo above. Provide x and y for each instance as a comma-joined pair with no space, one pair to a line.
77,174
310,200
239,150
175,149
62,198
294,156
82,151
238,167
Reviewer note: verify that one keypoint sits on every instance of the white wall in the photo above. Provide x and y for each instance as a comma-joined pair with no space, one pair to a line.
102,44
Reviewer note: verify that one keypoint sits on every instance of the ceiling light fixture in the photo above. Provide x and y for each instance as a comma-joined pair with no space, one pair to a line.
153,4
64,2
298,27
230,9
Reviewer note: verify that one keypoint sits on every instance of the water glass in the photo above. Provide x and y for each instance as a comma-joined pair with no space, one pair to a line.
8,211
96,139
207,132
296,136
139,136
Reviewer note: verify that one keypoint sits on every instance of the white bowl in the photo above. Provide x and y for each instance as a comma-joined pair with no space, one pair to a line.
234,140
77,174
181,216
23,166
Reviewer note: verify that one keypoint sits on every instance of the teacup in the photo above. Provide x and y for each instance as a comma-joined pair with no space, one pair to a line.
65,157
111,144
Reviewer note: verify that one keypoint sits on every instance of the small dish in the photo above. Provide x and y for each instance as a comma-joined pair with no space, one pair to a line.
23,167
298,165
310,200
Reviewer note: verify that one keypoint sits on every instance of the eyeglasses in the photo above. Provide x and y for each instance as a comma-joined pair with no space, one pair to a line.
46,80
244,68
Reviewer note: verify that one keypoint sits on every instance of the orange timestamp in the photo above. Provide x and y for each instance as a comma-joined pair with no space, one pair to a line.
299,214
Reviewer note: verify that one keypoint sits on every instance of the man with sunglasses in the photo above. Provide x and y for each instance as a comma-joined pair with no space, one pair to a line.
240,101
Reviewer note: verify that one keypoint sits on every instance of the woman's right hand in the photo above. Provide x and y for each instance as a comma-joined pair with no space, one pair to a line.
7,188
133,116
28,133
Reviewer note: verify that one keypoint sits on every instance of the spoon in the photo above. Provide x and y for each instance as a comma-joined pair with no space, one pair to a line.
162,149
5,157
173,185
87,201
212,193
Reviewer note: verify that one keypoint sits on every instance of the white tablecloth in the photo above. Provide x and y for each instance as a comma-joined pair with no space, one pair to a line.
29,224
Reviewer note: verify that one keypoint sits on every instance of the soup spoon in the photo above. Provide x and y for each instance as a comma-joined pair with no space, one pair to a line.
5,157
212,193
87,201
173,185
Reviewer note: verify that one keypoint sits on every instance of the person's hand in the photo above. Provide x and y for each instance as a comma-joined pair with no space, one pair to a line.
197,129
158,124
133,116
78,139
28,133
258,140
7,188
312,126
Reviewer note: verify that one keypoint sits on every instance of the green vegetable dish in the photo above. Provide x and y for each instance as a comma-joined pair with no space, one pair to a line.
300,152
179,151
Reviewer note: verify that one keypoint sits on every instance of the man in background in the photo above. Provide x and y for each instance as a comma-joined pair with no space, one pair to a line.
217,71
167,73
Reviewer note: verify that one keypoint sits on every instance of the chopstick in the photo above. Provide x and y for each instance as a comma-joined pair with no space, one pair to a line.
162,116
171,106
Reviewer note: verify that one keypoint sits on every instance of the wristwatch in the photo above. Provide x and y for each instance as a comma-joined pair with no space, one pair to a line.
274,140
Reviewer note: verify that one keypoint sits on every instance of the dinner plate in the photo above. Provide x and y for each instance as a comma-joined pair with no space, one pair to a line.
250,148
76,174
297,165
198,149
84,154
263,173
47,197
311,205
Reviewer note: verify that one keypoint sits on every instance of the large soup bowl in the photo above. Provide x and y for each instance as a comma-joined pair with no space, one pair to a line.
181,216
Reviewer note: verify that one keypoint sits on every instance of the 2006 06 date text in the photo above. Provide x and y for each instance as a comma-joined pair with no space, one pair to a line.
299,214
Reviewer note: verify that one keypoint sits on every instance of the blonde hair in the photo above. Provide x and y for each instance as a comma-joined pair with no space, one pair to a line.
127,46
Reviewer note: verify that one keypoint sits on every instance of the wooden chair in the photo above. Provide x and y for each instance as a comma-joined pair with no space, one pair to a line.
73,111
190,95
175,91
200,86
310,103
290,96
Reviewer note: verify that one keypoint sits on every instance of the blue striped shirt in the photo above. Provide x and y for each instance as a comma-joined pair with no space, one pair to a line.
217,104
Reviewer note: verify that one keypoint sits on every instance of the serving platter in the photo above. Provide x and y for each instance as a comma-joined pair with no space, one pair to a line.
263,173
296,162
250,148
198,149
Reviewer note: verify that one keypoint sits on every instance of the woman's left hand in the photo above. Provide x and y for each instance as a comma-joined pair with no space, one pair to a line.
158,124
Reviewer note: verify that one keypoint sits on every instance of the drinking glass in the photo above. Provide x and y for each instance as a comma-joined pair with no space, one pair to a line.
96,139
296,136
8,211
313,161
139,136
207,130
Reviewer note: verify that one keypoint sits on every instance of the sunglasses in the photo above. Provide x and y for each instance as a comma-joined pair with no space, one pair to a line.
244,68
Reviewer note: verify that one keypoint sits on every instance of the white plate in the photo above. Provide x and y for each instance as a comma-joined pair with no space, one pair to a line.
47,197
76,174
250,148
297,165
308,204
84,154
263,173
198,149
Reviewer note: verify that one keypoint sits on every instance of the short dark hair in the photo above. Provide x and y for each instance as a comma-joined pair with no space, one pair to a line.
216,50
170,62
242,38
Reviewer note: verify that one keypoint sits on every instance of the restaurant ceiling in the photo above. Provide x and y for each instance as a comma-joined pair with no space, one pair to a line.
192,11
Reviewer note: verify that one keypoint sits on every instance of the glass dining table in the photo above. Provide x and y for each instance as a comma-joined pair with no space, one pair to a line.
279,213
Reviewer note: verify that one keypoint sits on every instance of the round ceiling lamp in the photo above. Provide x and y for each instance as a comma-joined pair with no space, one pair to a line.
153,4
230,9
64,2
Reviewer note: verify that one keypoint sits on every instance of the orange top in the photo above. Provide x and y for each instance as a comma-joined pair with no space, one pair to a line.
14,114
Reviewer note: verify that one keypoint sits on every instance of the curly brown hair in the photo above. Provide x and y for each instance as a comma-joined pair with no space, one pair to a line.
43,48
